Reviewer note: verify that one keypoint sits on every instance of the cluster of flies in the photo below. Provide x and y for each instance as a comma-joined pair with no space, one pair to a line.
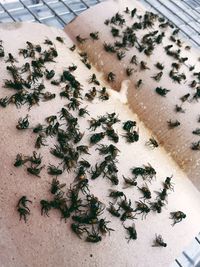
125,38
77,202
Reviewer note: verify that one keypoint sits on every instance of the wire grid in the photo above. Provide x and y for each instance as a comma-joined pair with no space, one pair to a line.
184,14
51,12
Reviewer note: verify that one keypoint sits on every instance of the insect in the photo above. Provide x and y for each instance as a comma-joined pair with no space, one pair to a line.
195,145
94,35
2,53
196,131
45,207
177,216
115,212
91,94
40,141
159,242
82,112
78,229
60,39
134,60
110,132
111,77
131,232
132,137
185,97
128,125
139,83
93,79
152,143
95,138
156,206
23,123
121,54
129,182
143,66
103,94
35,170
142,208
168,184
56,186
22,208
173,124
159,66
80,40
158,76
116,194
145,191
20,160
102,227
129,71
93,237
179,109
161,91
73,47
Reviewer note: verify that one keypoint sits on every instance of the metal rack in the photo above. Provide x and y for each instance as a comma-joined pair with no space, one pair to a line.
185,14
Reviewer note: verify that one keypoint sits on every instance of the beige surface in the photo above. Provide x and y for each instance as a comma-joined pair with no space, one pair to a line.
47,241
145,102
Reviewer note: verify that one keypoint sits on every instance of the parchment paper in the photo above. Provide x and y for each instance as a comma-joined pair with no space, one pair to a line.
151,108
48,241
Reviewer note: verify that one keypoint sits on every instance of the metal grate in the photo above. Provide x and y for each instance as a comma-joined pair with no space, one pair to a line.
51,12
185,14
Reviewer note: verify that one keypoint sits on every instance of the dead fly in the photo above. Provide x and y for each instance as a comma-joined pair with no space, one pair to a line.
156,206
112,135
196,131
159,66
84,163
4,102
173,124
53,170
56,186
73,47
132,137
103,94
91,94
139,83
129,71
185,97
196,96
191,68
22,208
82,112
193,84
116,194
158,76
78,229
128,125
142,208
48,42
162,91
143,66
126,205
99,169
113,210
145,191
111,77
129,182
121,54
159,242
45,207
72,68
102,227
2,53
93,237
152,143
111,149
20,160
195,145
134,60
40,141
73,104
80,40
23,123
131,232
95,138
109,48
177,216
179,109
11,59
93,79
60,39
115,32
35,159
162,195
168,184
35,170
50,74
94,35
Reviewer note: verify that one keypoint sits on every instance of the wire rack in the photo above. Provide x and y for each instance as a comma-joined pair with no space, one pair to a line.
185,14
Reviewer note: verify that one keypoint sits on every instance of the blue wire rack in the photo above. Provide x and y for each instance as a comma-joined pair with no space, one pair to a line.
184,14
